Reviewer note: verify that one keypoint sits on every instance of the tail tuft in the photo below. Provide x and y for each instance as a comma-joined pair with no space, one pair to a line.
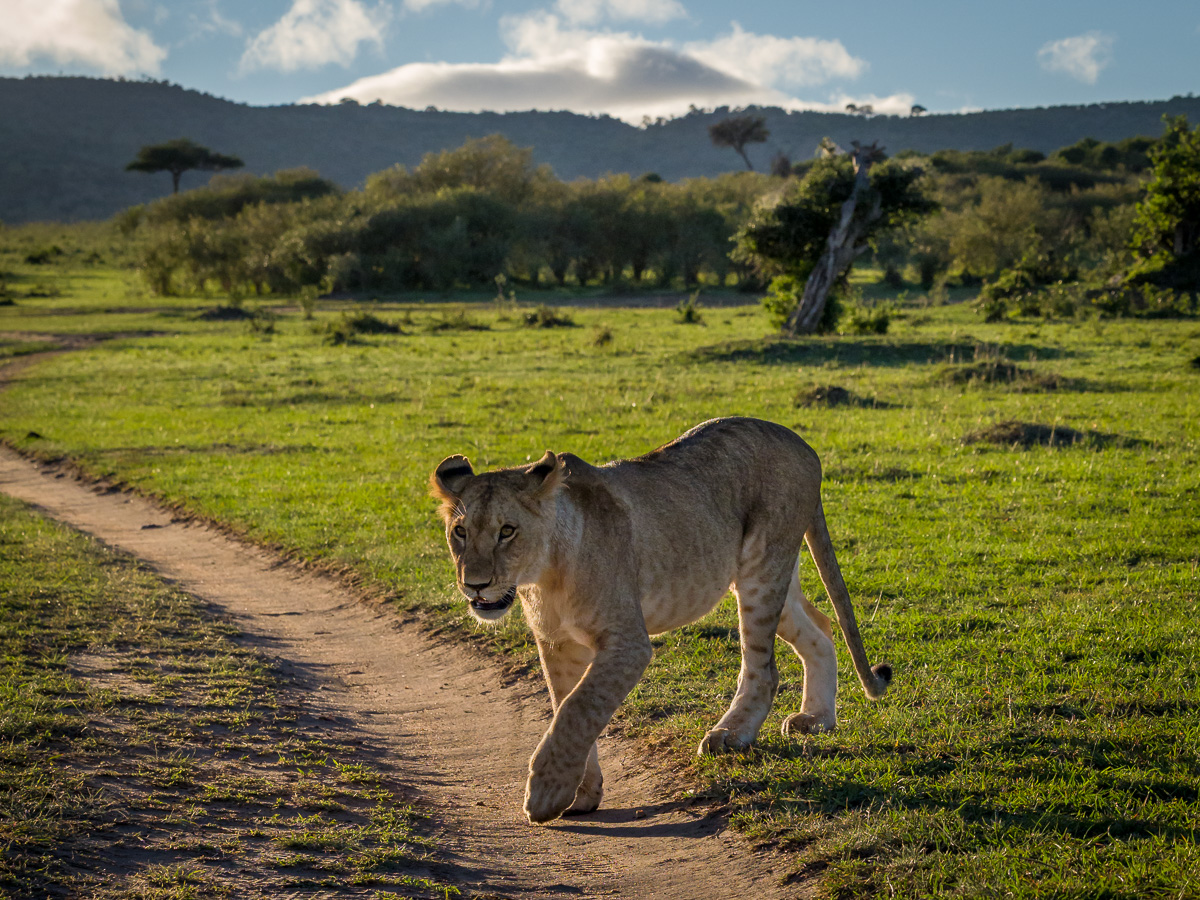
883,678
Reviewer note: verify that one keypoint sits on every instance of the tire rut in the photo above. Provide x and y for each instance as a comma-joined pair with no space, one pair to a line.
456,727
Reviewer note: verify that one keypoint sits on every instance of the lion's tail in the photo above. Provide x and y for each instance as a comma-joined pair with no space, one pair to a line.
874,680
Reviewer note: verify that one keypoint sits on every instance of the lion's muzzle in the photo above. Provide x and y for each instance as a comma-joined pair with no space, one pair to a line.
492,609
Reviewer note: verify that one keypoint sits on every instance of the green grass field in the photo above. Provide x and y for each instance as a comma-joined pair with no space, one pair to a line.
1035,589
145,753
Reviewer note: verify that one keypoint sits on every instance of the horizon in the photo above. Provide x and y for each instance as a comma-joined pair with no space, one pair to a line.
166,82
635,61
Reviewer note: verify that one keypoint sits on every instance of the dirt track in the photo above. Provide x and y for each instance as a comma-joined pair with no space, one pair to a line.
461,735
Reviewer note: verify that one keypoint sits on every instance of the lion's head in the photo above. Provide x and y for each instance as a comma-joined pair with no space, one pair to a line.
498,526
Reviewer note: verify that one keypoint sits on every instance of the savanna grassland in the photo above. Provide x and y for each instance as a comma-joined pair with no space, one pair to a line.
146,752
1014,505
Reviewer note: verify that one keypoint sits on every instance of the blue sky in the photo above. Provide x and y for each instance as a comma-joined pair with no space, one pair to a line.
628,58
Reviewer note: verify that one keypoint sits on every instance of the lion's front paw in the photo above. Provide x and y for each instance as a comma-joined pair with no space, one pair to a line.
803,723
721,740
548,796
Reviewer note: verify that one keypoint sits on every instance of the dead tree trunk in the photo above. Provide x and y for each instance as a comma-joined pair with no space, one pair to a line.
844,244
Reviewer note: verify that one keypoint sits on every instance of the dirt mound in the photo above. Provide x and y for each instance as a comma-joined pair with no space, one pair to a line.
1001,371
1031,434
831,395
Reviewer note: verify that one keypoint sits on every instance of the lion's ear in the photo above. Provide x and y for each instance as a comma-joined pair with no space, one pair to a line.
546,474
450,477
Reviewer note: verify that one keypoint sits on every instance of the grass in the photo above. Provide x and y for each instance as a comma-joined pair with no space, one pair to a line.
1037,602
145,753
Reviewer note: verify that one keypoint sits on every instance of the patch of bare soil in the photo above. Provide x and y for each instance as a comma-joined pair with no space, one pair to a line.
458,732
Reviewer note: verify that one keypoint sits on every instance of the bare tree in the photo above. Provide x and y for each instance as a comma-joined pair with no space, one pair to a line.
737,132
846,242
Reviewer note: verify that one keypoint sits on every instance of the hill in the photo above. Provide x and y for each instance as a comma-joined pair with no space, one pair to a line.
64,141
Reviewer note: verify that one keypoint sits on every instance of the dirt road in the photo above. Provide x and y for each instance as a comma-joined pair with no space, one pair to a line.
462,735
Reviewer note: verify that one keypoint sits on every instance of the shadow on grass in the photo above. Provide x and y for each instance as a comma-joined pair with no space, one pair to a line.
856,351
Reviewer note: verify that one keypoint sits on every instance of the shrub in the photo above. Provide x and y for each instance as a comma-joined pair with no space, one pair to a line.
44,256
688,310
547,317
262,322
862,319
455,321
363,322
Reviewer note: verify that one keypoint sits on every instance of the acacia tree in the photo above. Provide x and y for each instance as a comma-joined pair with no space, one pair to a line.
737,132
179,156
821,225
1167,225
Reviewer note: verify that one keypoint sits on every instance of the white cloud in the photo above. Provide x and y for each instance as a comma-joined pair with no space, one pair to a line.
1082,57
554,66
314,33
422,5
90,32
215,23
767,59
589,12
892,105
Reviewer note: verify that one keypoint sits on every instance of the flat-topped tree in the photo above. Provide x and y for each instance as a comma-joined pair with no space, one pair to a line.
737,132
179,156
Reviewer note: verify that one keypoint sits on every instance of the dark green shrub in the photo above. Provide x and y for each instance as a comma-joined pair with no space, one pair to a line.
688,310
44,256
860,319
547,317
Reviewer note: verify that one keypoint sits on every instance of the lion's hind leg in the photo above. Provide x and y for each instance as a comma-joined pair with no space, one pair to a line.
760,598
809,633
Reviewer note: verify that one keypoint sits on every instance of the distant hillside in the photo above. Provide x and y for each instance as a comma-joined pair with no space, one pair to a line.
64,142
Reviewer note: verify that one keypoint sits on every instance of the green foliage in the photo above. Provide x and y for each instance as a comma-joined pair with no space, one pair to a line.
492,165
1130,154
225,196
43,255
462,218
787,237
548,317
861,319
783,295
1167,228
687,311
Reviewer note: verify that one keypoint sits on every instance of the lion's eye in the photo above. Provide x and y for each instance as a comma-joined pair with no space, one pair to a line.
506,532
460,532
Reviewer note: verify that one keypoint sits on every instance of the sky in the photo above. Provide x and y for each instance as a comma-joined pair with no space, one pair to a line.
627,58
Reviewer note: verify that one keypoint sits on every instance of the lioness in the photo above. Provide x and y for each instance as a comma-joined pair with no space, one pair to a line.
604,557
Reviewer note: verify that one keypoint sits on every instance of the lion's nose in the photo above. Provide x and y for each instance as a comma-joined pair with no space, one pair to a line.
478,586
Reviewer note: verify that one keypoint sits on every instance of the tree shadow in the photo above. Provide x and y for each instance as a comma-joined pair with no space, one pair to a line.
859,351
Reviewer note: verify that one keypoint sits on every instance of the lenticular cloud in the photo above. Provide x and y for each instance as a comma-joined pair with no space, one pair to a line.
550,66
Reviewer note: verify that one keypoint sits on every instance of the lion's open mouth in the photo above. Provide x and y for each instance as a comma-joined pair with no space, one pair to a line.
492,605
